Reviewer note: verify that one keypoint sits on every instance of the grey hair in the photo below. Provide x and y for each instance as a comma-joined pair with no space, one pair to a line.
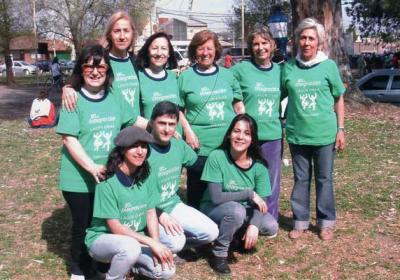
264,32
308,23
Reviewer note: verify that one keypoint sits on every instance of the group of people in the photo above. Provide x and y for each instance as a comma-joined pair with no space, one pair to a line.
129,125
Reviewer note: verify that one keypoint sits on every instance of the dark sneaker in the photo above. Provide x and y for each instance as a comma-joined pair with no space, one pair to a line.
220,265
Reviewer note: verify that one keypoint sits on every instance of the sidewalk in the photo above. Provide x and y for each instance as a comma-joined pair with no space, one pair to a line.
15,103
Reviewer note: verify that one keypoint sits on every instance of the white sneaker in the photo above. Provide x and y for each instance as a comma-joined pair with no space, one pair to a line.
272,236
77,277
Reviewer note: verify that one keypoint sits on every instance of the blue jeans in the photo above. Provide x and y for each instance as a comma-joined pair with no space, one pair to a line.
271,152
198,229
125,253
232,216
305,158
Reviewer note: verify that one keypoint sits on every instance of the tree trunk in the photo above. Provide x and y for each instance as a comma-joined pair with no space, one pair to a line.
329,14
9,70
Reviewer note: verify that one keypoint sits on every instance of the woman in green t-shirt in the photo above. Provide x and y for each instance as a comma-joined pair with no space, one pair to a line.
238,185
314,127
87,135
124,229
211,97
119,40
260,82
158,82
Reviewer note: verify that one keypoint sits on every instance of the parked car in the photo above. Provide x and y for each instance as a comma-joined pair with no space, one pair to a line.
43,65
381,85
181,58
66,65
20,67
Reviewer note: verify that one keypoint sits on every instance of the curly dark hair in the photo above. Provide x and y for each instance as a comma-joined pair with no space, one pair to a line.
254,149
143,58
115,159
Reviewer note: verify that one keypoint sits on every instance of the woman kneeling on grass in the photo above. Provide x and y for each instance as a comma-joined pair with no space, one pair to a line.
124,207
238,184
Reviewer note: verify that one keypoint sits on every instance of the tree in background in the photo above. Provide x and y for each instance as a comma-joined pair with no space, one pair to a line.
376,18
256,12
13,22
84,20
329,13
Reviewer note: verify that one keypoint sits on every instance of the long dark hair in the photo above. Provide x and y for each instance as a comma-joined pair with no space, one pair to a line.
115,159
143,58
254,149
97,53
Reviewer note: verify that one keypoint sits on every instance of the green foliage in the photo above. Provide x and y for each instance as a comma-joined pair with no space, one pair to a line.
376,18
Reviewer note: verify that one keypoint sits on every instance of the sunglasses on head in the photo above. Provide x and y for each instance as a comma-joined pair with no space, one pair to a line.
89,68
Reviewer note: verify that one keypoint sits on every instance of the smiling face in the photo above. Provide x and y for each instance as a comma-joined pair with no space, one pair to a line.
205,54
262,49
94,76
135,155
158,53
121,37
240,137
308,43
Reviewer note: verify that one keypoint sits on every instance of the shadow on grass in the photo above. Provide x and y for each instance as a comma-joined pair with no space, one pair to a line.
56,231
286,224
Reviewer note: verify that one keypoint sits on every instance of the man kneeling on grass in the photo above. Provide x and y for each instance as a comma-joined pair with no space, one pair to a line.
179,224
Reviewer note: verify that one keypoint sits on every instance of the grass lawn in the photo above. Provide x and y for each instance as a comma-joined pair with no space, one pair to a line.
34,223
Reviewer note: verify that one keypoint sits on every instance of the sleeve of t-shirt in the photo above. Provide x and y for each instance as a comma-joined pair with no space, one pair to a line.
283,86
69,123
212,171
335,81
189,156
179,102
263,185
182,94
237,92
105,202
235,72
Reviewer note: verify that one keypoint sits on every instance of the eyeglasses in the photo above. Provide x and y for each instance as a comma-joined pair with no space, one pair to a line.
89,68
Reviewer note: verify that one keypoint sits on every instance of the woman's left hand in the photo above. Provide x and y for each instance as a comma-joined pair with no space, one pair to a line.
340,140
250,237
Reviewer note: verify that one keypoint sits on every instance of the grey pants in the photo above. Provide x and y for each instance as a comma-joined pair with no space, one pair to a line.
125,253
230,217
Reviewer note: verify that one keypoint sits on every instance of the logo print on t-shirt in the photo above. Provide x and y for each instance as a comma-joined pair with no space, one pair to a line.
262,109
129,95
308,101
102,140
168,190
216,110
134,225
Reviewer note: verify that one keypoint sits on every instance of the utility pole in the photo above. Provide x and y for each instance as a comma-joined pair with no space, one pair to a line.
242,28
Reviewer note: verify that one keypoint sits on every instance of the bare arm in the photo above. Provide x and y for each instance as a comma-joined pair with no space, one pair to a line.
340,137
79,154
190,136
69,98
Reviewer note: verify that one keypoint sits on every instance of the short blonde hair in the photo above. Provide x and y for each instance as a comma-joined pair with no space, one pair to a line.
264,33
310,23
106,41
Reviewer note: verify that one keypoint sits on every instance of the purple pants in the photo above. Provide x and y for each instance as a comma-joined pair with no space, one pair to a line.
271,151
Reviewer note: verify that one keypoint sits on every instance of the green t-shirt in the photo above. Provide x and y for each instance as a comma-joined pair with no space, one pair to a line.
208,100
95,123
166,163
154,90
125,81
261,96
220,168
117,198
311,119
